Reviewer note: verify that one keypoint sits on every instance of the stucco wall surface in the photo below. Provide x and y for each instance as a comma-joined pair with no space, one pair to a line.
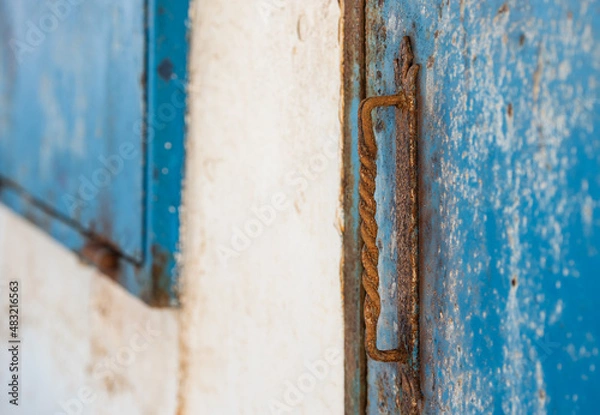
262,303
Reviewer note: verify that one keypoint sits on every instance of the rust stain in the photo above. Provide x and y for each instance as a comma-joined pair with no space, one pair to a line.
160,294
353,76
503,9
407,236
430,62
103,257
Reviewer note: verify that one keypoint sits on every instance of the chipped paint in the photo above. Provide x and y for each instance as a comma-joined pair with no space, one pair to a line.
510,184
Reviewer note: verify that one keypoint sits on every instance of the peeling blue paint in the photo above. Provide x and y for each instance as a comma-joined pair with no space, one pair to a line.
510,219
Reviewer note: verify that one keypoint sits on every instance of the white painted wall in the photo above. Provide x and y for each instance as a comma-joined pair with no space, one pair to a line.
81,334
261,322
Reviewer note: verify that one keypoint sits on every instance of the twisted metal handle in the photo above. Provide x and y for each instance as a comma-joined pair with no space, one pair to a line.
369,227
405,101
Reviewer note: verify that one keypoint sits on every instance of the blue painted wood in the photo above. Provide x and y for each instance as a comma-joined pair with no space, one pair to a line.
510,202
92,128
73,100
166,128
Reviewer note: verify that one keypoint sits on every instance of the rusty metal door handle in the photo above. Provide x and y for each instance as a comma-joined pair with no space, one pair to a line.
405,100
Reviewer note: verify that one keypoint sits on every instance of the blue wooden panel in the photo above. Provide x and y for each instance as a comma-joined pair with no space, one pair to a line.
510,202
72,92
92,130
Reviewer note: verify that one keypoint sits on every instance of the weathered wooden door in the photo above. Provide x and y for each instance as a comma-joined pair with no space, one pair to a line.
509,204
